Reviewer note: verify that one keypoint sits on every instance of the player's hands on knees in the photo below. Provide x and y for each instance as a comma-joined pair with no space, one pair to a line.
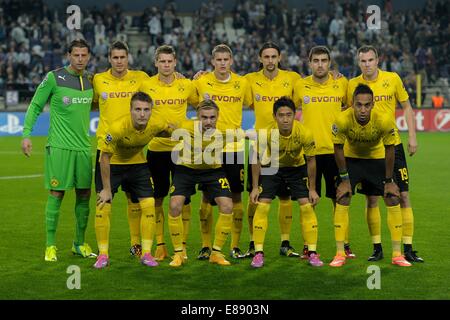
313,197
254,195
103,197
343,189
391,190
199,74
412,146
27,147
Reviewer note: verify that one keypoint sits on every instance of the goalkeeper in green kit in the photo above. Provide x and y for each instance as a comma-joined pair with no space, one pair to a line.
68,161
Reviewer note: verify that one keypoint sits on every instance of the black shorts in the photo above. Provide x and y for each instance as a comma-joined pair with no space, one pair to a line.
283,191
161,168
233,165
133,178
366,175
294,178
401,175
213,181
326,167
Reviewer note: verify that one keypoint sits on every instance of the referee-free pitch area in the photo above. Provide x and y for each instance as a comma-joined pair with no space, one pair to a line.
25,275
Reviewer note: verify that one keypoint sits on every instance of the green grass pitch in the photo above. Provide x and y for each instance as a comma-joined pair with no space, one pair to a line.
25,275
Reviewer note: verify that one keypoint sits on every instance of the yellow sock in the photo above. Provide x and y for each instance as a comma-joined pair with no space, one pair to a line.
260,225
285,218
186,216
373,218
176,232
159,227
301,227
147,223
102,227
251,208
309,229
134,222
340,226
206,222
223,229
408,225
394,220
238,214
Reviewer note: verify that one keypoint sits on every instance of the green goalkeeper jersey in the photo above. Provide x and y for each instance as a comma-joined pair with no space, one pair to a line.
70,104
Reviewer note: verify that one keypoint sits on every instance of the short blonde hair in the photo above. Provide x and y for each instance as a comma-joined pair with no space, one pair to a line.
222,48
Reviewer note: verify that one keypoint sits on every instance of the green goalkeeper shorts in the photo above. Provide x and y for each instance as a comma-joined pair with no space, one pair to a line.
67,169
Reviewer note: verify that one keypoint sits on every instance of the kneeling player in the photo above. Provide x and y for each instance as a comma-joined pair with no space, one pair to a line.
194,168
287,142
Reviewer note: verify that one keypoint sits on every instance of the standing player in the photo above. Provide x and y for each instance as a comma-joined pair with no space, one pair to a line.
68,161
294,142
122,163
267,86
230,92
388,90
112,91
321,98
200,163
358,135
171,97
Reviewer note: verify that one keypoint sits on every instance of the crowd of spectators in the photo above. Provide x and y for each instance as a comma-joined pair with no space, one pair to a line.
33,36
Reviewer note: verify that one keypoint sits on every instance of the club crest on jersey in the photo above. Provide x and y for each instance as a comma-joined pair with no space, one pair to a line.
172,189
54,182
108,138
237,85
306,99
104,95
335,86
334,129
181,88
206,96
385,84
66,100
285,84
257,97
132,81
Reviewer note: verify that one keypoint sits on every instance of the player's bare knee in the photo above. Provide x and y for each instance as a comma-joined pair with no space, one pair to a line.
225,206
159,202
372,201
404,199
175,208
57,194
344,201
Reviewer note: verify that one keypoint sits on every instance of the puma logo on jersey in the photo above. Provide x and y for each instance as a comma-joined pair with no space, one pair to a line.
62,77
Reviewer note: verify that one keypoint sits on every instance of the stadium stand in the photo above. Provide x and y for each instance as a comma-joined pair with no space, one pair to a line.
411,42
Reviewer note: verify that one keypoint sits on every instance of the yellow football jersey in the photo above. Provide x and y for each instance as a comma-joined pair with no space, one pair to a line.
290,149
321,103
197,149
364,141
170,102
266,91
114,95
126,143
230,97
388,89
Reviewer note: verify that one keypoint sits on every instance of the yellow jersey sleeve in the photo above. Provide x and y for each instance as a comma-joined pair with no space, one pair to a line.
309,146
339,129
400,93
388,128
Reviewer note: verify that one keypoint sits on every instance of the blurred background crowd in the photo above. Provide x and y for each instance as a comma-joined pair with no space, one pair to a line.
33,36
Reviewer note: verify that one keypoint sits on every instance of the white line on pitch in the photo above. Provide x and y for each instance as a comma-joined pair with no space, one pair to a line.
21,177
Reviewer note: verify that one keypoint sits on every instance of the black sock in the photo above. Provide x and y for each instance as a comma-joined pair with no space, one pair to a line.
252,245
377,246
407,247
